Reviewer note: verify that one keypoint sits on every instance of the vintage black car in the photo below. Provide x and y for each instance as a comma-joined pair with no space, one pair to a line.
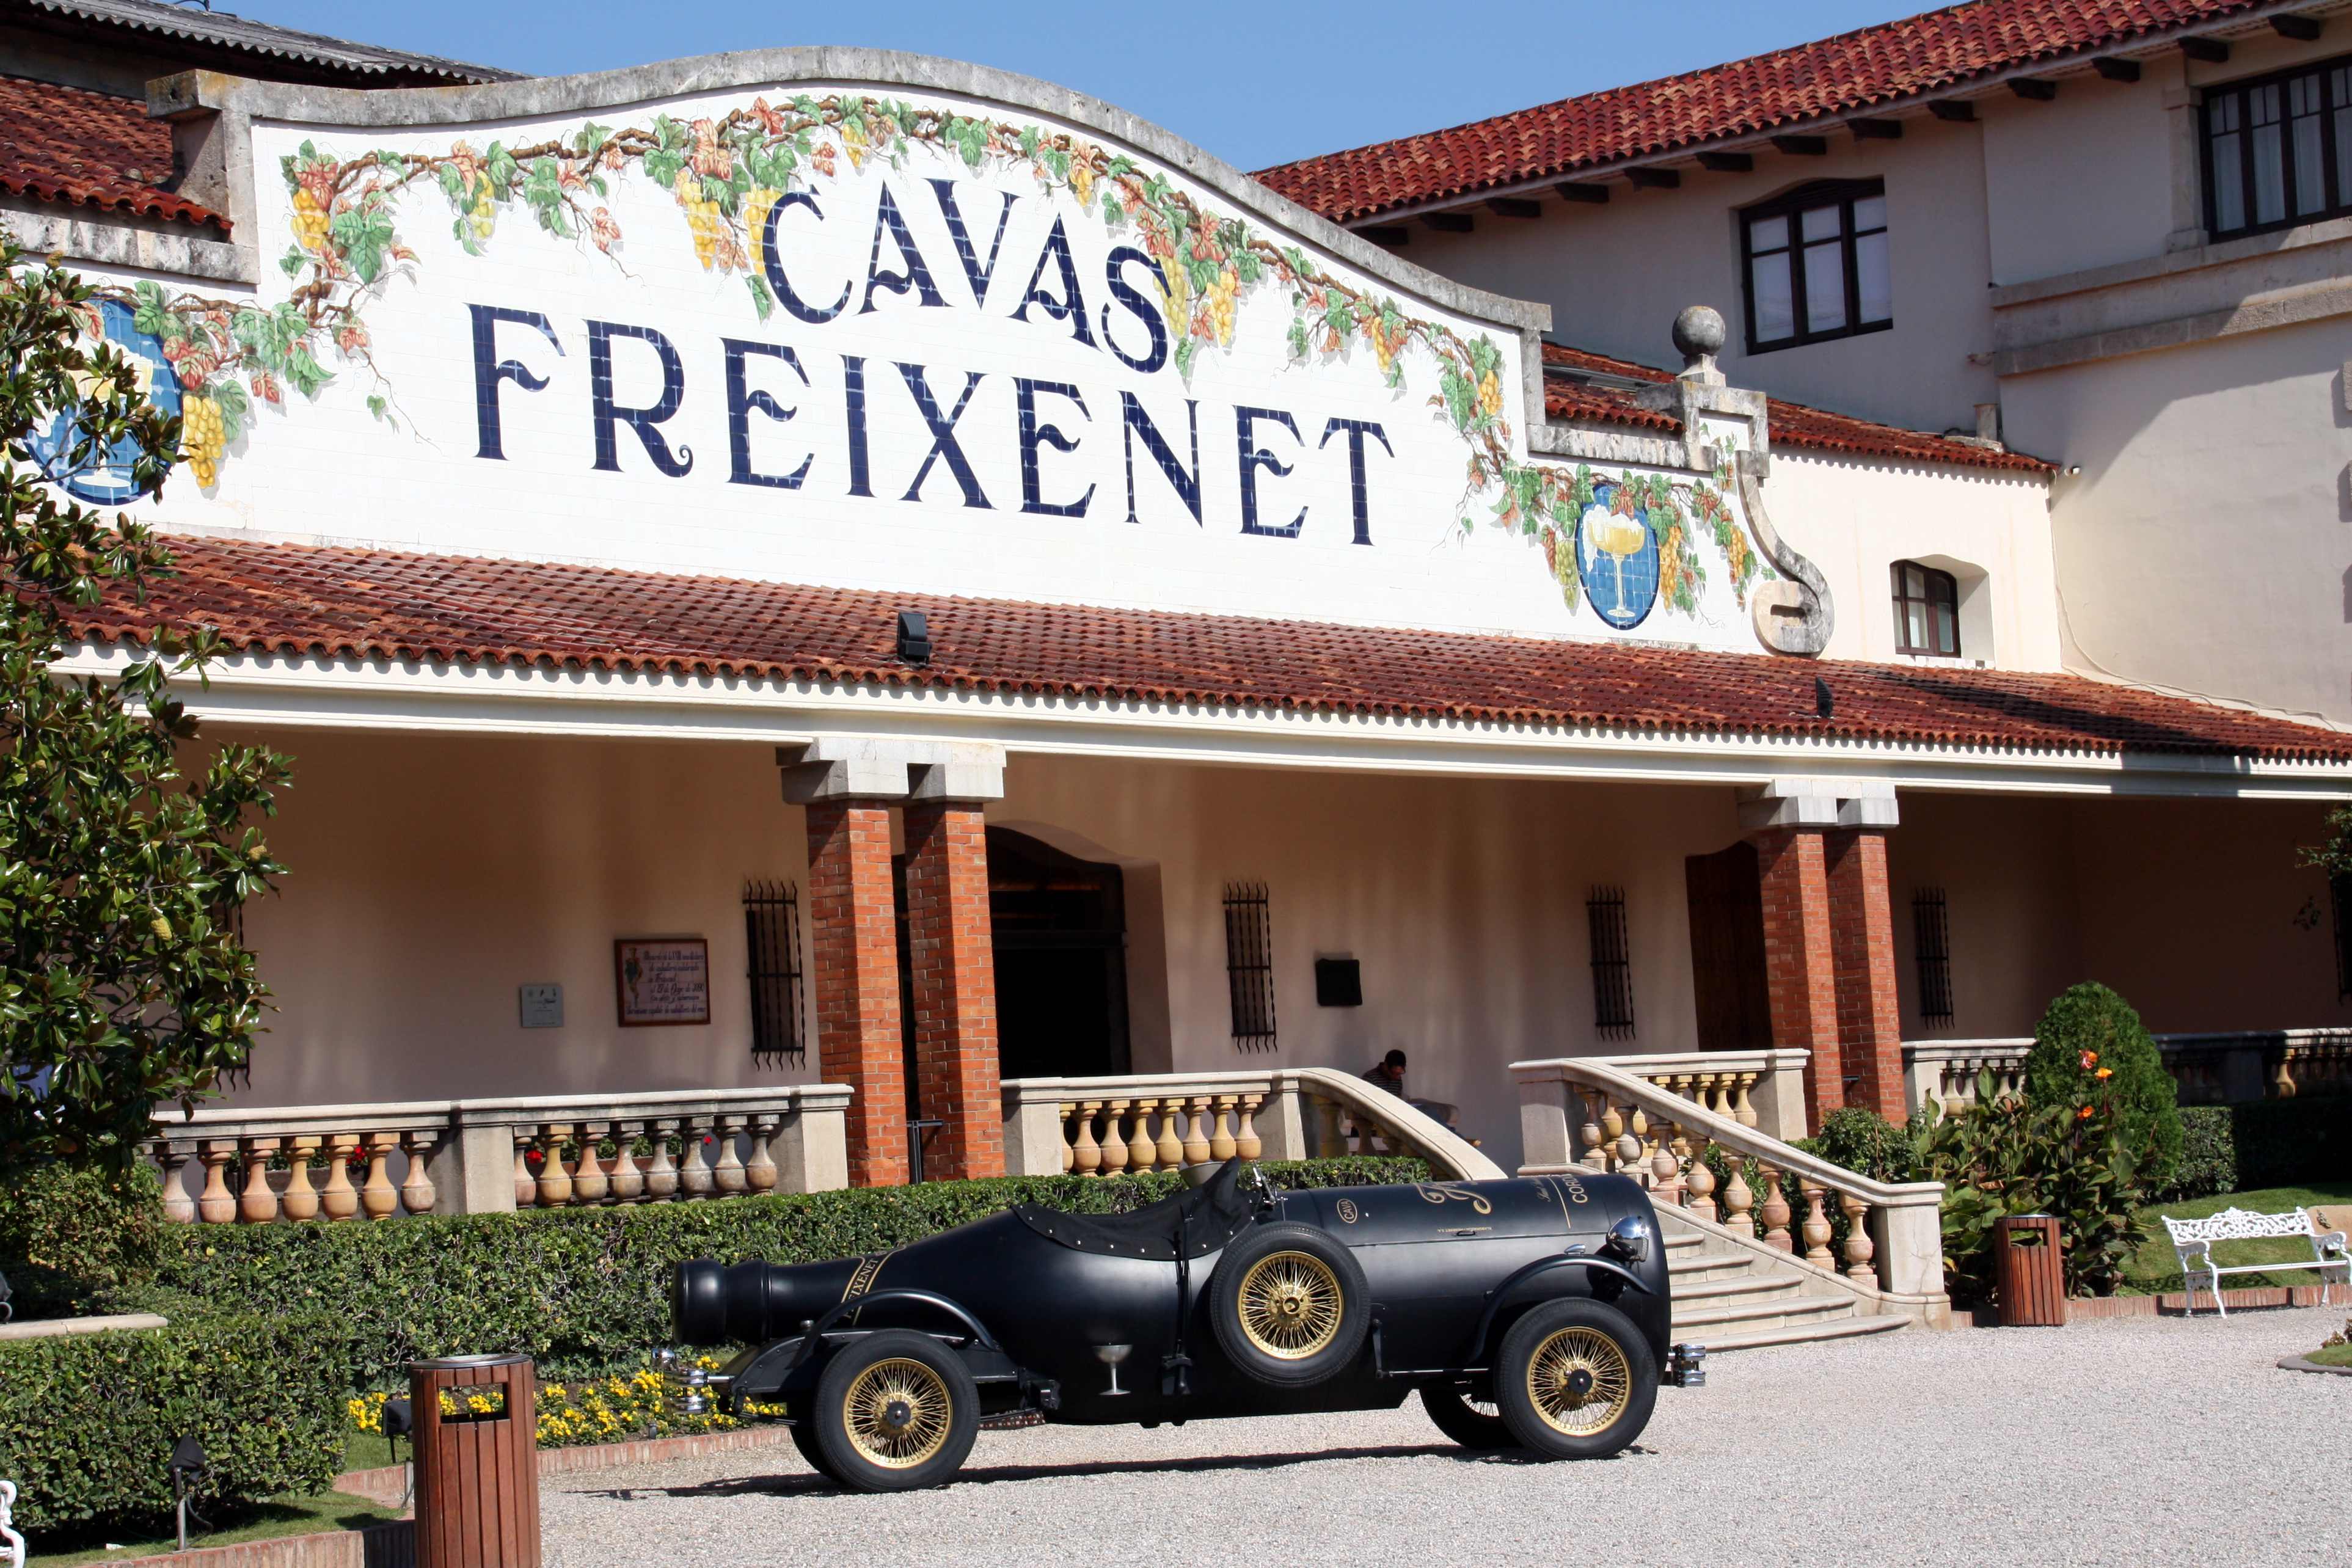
1530,1312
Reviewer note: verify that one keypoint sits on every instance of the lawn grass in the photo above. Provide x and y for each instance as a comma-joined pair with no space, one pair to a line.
371,1450
2331,1356
2154,1269
280,1516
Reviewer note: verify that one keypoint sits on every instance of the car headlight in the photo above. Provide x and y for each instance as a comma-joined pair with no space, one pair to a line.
1629,1239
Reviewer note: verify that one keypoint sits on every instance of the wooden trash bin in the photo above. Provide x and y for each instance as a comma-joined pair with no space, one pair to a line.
2030,1272
477,1461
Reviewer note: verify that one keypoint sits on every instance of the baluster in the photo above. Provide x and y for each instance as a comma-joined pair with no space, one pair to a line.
300,1199
1114,1139
1666,1164
216,1205
1953,1099
1087,1154
554,1176
1775,1209
1196,1130
1817,1223
178,1207
1222,1146
1329,1142
727,1175
1858,1245
257,1204
1142,1153
1170,1149
379,1198
1589,1152
1612,1128
759,1170
526,1182
1246,1140
1742,1111
338,1201
417,1193
591,1183
695,1176
1704,1093
1700,1185
628,1176
2283,1085
661,1173
1737,1201
1632,1149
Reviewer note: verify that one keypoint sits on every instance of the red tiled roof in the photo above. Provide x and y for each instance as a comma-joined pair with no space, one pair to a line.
1852,71
1793,423
342,602
86,149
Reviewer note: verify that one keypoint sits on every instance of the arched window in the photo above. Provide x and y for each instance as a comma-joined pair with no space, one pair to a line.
1926,611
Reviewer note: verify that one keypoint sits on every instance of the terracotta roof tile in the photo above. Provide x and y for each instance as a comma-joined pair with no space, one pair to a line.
1852,71
86,149
343,603
1794,425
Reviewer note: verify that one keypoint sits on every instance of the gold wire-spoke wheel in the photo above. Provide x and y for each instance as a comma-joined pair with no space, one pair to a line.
1290,1304
1579,1382
896,1414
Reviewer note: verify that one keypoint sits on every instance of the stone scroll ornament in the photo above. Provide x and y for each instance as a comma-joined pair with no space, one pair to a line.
727,175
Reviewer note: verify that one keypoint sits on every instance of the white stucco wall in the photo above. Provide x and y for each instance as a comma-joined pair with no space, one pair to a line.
2083,180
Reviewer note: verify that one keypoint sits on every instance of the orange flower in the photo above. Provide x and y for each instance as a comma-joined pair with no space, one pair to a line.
2104,1073
2090,1060
2084,1115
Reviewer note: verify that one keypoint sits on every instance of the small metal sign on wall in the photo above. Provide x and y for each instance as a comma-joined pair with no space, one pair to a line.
663,980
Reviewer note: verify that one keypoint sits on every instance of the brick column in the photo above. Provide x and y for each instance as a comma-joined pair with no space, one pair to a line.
854,970
1800,966
1861,938
952,953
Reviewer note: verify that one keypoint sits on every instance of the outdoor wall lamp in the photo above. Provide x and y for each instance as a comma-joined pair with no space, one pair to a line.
914,638
186,1468
399,1421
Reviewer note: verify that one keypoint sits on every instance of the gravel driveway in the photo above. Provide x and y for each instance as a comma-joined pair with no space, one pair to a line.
2108,1442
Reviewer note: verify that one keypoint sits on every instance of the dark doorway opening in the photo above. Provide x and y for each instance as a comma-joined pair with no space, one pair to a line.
1726,937
1061,960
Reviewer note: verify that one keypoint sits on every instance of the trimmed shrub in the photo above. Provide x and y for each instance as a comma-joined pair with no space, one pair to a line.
70,1235
2209,1153
87,1421
1865,1142
2263,1144
2091,1037
584,1291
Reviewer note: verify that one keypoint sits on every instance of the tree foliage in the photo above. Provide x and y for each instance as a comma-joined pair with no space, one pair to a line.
123,980
2090,1039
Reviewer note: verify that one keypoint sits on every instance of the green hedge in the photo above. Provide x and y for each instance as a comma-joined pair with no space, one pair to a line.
2263,1144
585,1290
87,1421
69,1235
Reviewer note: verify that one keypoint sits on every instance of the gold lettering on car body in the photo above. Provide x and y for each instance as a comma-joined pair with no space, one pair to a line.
1348,1211
1441,1191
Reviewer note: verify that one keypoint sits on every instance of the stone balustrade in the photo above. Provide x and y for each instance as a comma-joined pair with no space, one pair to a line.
474,1156
1760,1088
1161,1122
2208,1069
1590,1114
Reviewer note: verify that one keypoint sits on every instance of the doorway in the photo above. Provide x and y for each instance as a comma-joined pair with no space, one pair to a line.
1726,937
1061,960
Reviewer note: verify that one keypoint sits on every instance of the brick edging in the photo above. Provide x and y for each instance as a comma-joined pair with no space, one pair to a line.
2171,1304
384,1484
389,1545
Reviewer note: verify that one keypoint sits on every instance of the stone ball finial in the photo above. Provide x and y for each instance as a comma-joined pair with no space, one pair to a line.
1699,333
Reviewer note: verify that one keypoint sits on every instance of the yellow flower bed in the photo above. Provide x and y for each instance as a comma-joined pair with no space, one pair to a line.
595,1410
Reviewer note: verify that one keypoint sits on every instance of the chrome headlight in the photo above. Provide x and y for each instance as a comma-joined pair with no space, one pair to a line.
1629,1239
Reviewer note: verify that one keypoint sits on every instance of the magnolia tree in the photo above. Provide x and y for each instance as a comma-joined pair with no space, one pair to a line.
124,985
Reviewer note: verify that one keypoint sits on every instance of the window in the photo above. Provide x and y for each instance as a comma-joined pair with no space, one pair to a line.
2278,150
1926,611
1249,965
1613,963
772,936
1816,265
2340,898
1931,950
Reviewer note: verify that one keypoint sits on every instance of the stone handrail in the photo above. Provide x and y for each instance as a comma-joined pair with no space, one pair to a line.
1586,1113
488,1155
1762,1089
1159,1121
2232,1068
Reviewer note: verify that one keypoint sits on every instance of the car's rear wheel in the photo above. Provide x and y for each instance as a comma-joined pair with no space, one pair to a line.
1575,1380
1471,1422
1289,1305
895,1411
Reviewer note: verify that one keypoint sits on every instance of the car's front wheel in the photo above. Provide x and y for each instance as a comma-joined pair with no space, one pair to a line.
1472,1423
895,1411
1575,1380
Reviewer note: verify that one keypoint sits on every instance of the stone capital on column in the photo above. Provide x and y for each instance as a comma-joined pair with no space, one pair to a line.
890,768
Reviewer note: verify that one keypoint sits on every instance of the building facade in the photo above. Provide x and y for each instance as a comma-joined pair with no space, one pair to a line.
818,566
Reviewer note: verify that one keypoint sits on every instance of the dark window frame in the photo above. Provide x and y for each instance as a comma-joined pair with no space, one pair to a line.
2339,903
1249,965
2333,85
1903,599
1613,963
772,971
1931,955
1792,205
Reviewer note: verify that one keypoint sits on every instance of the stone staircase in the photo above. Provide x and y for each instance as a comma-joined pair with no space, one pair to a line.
1729,1296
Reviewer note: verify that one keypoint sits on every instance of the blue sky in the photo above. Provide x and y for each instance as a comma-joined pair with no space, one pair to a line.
1256,84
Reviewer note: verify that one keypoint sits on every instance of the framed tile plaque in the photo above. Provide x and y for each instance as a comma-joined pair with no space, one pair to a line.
661,980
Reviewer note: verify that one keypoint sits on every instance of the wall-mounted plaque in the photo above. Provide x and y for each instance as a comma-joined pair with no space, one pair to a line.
542,1005
663,980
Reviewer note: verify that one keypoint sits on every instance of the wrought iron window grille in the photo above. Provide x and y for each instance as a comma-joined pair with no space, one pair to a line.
2339,899
1931,951
1613,963
772,939
1249,965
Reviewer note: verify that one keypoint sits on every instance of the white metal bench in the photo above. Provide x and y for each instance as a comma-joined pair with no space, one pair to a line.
12,1545
2193,1240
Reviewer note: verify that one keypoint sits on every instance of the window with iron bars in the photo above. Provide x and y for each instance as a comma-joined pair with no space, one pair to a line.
1613,963
1931,951
1249,965
772,939
2339,896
